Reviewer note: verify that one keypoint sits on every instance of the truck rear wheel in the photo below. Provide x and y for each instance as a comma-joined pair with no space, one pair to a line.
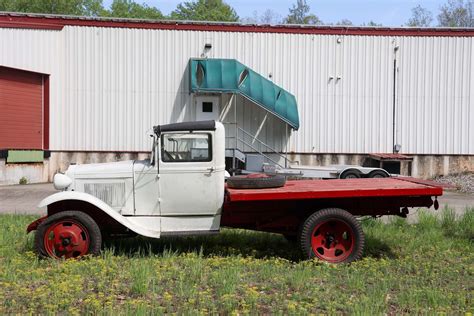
68,234
332,235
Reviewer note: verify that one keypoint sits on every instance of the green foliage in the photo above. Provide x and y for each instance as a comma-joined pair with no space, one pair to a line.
69,7
372,23
23,180
420,17
465,226
457,13
454,13
131,9
407,269
205,10
345,22
300,14
268,17
118,8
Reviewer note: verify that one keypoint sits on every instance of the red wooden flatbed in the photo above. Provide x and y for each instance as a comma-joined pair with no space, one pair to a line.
283,209
349,188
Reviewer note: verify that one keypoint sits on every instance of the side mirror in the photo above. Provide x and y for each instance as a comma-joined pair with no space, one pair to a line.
153,150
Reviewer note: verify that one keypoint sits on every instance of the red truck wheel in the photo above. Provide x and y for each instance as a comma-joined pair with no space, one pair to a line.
68,234
332,235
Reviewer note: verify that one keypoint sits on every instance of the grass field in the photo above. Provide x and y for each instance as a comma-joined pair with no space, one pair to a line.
423,268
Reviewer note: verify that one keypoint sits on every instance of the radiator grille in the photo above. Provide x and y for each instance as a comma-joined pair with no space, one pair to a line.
111,193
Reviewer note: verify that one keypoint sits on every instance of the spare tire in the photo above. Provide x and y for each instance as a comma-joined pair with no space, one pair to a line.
256,181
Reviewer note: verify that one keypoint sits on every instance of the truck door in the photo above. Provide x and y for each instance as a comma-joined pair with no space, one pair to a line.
188,177
147,202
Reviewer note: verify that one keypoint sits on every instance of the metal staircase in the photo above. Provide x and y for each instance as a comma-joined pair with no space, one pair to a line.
236,144
263,158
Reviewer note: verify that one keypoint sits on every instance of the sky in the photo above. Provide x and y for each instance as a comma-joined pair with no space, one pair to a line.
386,12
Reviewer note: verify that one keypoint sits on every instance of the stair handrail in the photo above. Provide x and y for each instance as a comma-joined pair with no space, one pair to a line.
261,153
254,137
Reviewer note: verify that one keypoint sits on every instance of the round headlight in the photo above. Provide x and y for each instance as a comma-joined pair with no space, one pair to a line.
61,181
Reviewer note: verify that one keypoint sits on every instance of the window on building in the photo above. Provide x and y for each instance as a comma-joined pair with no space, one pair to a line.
207,107
186,147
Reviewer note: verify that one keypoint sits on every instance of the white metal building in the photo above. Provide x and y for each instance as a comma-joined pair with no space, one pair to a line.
105,83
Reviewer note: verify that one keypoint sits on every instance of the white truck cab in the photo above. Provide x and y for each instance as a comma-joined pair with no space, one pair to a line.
180,190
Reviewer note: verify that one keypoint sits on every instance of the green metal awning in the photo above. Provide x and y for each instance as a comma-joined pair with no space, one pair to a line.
230,76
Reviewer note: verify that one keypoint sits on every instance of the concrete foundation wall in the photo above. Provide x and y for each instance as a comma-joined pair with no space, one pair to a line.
31,172
430,166
422,166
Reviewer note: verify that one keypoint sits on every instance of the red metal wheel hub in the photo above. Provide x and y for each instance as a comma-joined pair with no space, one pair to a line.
332,240
66,239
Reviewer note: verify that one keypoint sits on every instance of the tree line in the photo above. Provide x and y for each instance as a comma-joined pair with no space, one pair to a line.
200,10
454,13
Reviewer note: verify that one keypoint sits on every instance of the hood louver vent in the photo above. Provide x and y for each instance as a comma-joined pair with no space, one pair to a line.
111,193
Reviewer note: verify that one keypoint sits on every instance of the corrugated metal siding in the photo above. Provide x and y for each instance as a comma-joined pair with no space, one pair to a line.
436,95
110,85
129,80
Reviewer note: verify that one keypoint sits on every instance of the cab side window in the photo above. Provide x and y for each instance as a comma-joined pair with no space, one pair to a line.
189,147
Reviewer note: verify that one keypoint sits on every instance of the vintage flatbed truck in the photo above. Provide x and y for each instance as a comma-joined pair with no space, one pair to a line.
181,190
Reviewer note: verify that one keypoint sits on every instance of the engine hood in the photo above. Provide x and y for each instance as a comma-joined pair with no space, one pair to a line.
122,169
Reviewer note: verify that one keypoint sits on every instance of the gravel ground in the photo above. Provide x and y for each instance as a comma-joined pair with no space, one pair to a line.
463,181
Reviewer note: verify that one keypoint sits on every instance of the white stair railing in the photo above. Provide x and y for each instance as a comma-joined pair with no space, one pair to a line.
256,145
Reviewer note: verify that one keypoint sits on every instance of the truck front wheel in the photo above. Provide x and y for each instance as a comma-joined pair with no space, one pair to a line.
68,234
332,235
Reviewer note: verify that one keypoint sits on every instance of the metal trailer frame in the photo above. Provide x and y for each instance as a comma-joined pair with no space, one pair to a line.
326,172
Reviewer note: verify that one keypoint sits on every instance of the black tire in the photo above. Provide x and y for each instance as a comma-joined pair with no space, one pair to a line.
378,174
245,182
90,236
326,225
350,174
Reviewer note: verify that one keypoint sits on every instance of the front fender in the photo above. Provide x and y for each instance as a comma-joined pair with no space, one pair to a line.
102,206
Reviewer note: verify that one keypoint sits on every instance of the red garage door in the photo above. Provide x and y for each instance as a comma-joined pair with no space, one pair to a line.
22,99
